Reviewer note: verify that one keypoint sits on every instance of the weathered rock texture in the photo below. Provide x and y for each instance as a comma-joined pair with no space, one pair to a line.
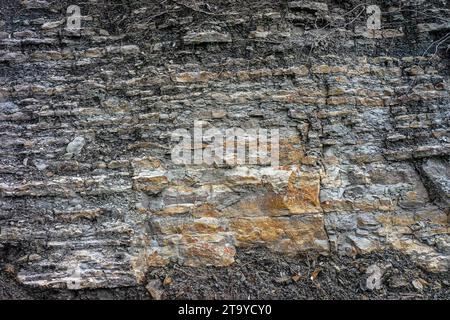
91,199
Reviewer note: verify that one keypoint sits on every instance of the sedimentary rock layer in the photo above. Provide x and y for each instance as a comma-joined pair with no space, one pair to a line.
90,197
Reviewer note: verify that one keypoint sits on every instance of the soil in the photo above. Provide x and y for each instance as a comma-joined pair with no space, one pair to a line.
261,274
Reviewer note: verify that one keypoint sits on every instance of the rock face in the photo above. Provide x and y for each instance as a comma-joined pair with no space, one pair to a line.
90,197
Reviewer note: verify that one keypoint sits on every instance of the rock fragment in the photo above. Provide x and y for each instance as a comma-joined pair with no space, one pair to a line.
8,107
417,284
75,147
155,290
375,273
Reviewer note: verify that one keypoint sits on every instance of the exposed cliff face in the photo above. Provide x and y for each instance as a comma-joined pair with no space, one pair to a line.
90,197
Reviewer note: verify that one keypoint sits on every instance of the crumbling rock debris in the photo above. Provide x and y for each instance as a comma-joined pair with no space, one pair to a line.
396,282
254,275
167,281
417,284
262,274
154,288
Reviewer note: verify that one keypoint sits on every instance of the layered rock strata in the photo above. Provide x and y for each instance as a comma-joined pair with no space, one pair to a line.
90,197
